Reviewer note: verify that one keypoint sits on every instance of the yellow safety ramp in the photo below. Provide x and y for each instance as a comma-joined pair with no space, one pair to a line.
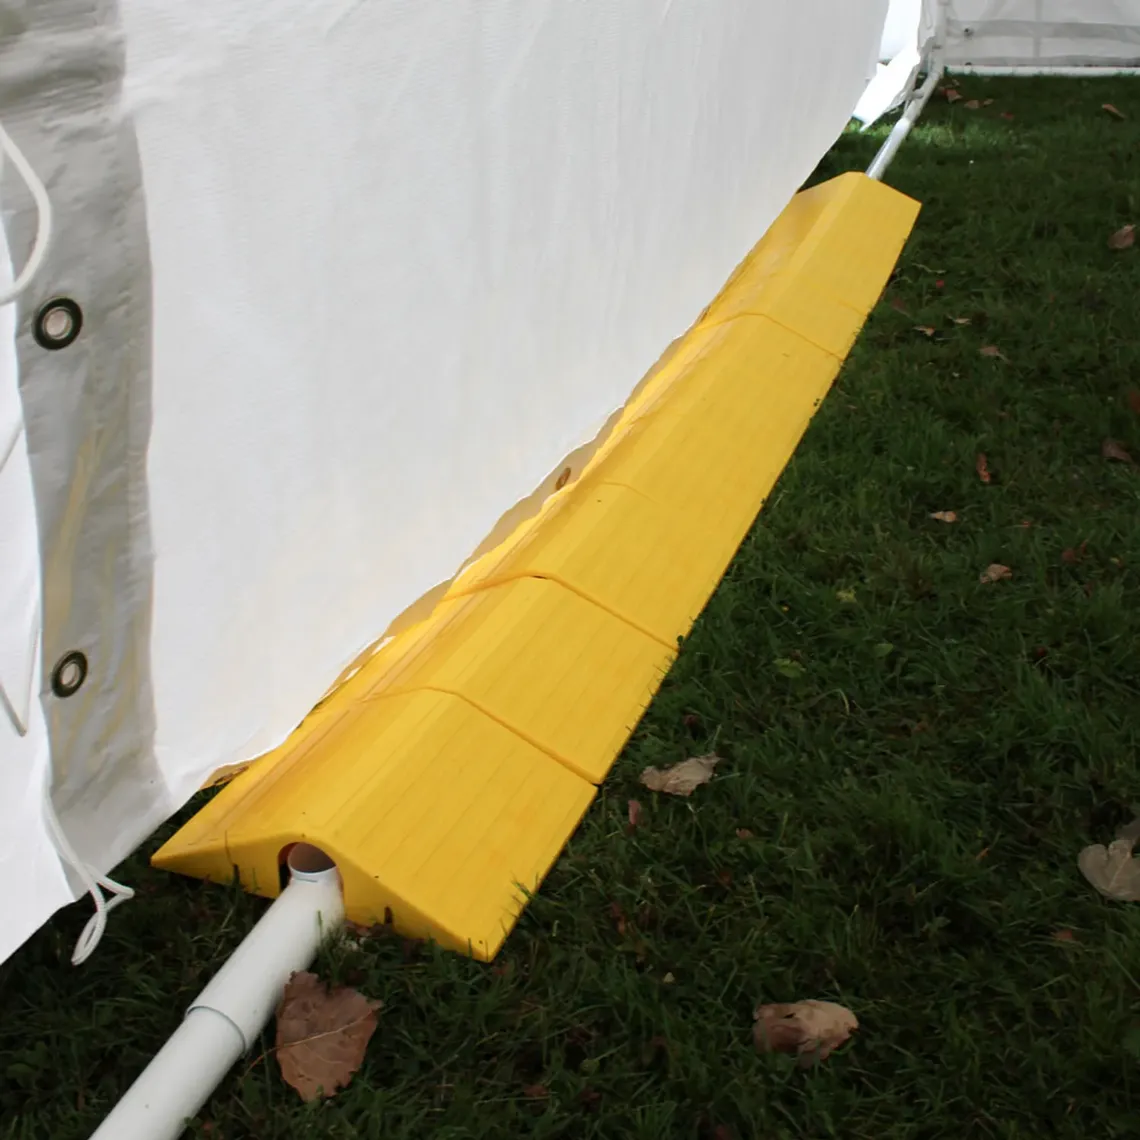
446,774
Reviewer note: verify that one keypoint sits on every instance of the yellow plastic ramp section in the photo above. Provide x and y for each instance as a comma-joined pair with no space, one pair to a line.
447,773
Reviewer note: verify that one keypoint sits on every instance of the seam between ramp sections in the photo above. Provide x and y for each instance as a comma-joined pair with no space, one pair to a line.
499,718
586,596
750,314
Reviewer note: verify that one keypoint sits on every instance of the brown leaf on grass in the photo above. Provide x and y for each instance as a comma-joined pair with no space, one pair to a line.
945,516
1124,238
987,102
952,96
621,923
961,320
1112,870
322,1034
1110,449
1064,936
589,1098
982,467
744,833
992,351
926,330
634,814
995,572
535,1092
681,779
810,1029
1115,112
973,104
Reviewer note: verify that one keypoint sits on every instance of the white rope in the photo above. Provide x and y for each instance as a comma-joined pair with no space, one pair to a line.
94,884
43,217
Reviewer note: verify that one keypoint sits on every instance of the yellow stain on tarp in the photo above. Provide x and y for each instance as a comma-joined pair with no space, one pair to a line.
447,773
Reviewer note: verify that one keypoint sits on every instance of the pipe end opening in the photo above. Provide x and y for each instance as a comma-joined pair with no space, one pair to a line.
305,860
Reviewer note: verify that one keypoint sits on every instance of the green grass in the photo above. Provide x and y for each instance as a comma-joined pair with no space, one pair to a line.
917,795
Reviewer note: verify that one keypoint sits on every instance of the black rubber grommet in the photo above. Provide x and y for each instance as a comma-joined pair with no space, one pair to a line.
58,322
69,674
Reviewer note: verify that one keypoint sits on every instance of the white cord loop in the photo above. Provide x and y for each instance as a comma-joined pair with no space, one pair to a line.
43,217
93,883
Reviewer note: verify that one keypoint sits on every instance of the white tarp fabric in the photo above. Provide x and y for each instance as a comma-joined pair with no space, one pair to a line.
903,19
355,276
24,755
1043,33
909,29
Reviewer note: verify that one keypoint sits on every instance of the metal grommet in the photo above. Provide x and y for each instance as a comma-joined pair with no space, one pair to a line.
57,323
69,674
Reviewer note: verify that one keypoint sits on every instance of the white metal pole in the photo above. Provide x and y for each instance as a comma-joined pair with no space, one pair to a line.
903,126
1090,72
227,1016
918,101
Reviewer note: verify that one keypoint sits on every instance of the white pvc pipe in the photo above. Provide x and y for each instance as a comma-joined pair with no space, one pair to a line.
903,127
229,1014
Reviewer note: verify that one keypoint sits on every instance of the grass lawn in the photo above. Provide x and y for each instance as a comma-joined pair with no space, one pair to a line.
915,758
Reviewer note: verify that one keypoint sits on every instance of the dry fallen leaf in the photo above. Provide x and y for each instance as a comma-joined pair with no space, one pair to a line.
1112,869
926,330
981,465
1115,112
634,814
952,96
995,572
1124,238
621,923
987,102
1110,449
322,1034
744,833
945,516
993,351
961,320
973,104
681,779
810,1029
535,1092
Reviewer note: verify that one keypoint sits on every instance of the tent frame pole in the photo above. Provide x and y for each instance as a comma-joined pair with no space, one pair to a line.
935,69
1029,70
